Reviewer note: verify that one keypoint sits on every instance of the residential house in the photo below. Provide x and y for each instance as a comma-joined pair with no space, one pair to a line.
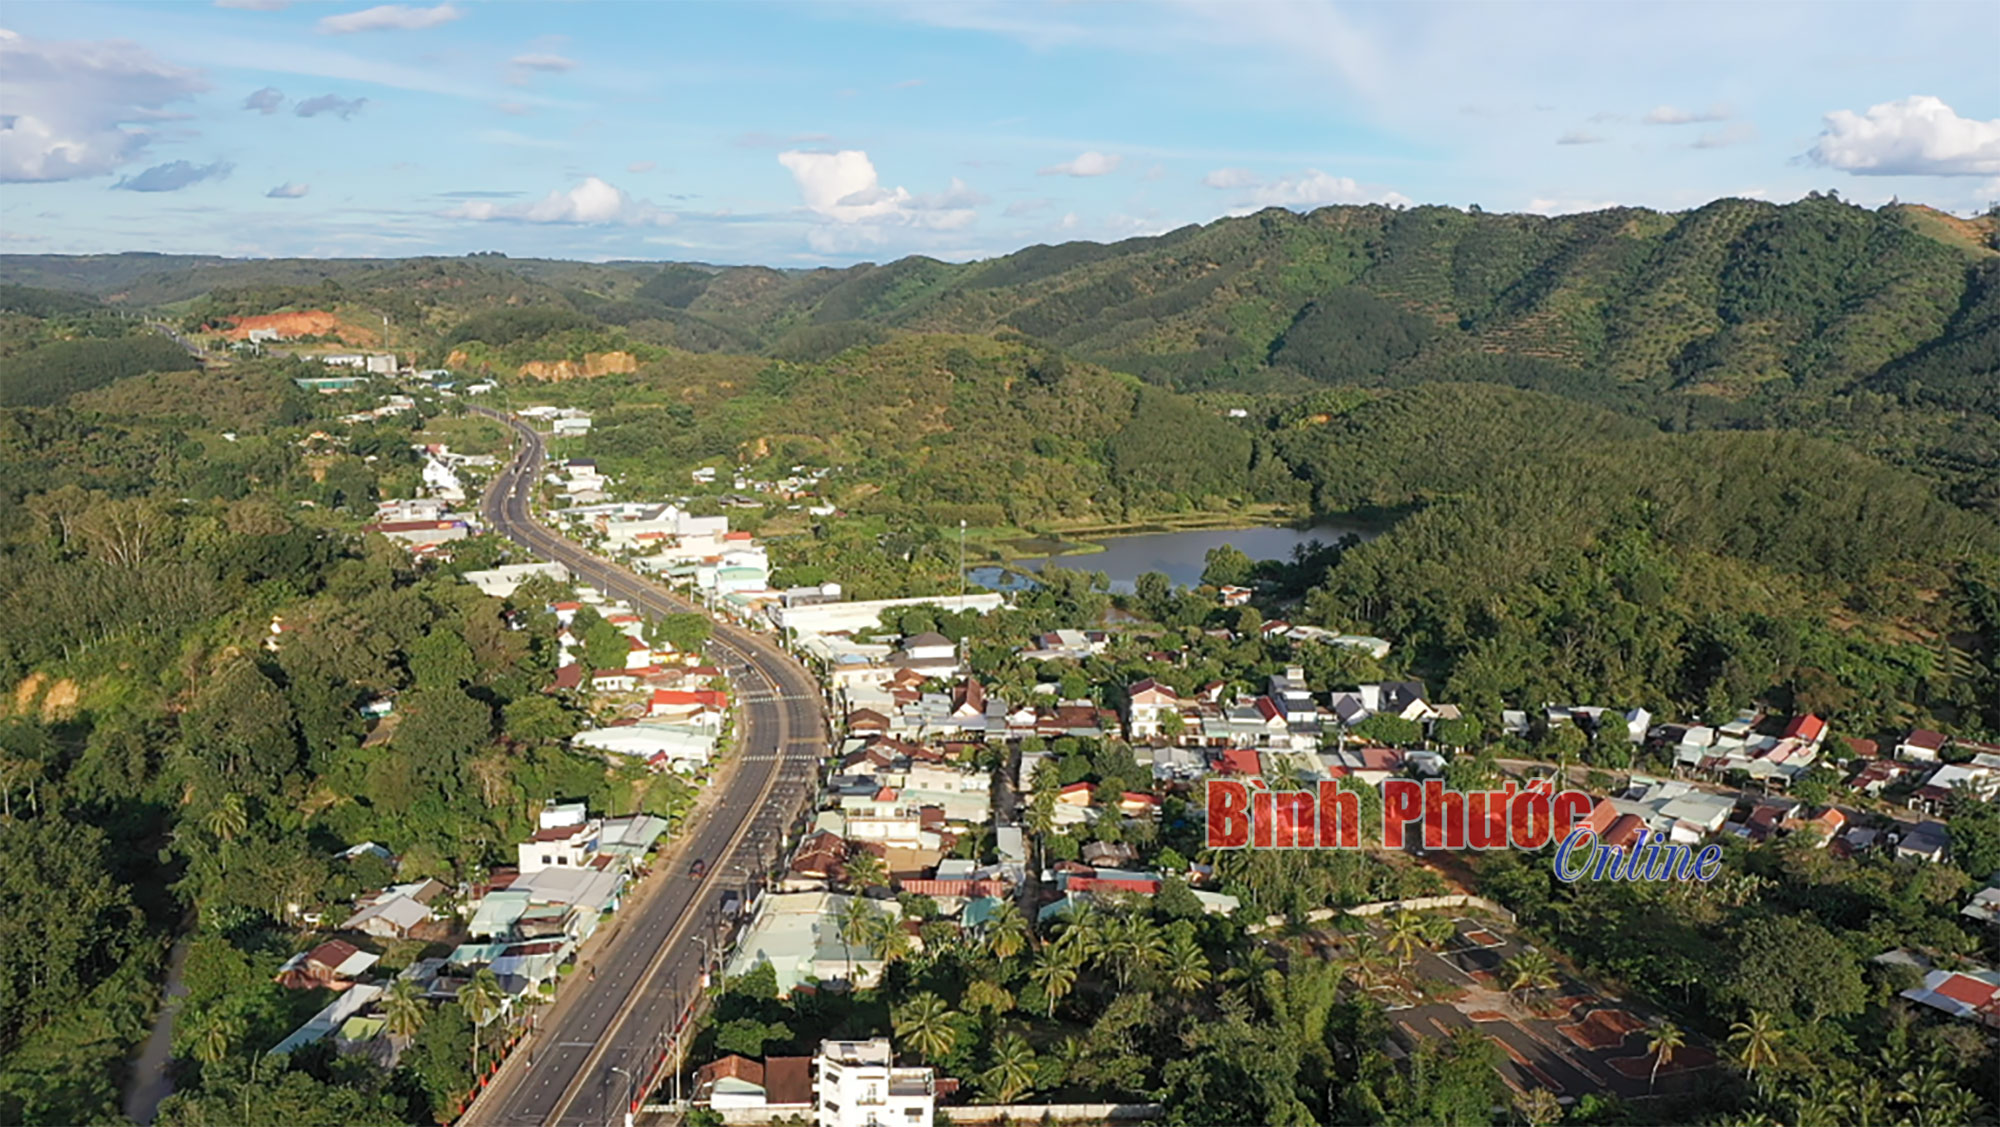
857,1084
1921,746
1972,995
1148,701
759,1092
798,933
395,912
1233,596
333,965
1925,841
569,845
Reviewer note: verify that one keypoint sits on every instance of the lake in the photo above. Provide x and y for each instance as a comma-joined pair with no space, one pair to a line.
1181,556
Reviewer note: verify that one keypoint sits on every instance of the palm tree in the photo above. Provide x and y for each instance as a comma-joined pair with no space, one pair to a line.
1133,943
1055,972
857,925
212,1033
1365,956
1006,931
1406,934
924,1024
1083,933
862,871
1666,1039
987,996
1755,1041
481,998
1013,1071
227,819
403,1008
1187,967
1530,972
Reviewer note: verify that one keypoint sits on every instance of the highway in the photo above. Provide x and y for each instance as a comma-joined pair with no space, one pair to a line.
598,1043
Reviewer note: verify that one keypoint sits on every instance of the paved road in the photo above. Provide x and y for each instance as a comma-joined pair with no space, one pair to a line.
577,1068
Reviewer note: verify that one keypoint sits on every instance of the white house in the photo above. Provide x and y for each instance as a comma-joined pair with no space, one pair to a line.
856,1084
1149,700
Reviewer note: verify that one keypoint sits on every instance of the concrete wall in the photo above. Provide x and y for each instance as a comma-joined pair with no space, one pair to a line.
1413,904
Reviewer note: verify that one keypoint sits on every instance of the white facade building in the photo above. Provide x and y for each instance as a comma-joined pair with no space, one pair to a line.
856,1084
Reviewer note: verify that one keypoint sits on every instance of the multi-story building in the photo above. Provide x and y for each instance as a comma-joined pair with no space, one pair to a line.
857,1084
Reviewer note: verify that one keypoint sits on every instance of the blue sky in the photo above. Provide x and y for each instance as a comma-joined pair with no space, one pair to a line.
793,134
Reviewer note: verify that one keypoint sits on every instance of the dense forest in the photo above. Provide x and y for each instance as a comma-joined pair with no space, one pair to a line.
172,767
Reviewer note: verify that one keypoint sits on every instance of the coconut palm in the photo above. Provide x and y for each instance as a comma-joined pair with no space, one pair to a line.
986,996
924,1024
1406,935
1083,933
1665,1040
1529,973
1366,955
482,998
857,926
227,819
1755,1041
403,1008
1006,930
211,1033
1013,1070
1186,965
862,871
1133,944
1055,972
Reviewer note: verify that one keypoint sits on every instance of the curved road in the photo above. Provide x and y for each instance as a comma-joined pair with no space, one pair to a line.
603,1037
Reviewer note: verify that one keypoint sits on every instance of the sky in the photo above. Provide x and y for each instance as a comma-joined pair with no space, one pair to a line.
801,134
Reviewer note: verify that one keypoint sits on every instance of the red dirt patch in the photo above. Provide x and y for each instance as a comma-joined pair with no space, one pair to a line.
1688,1058
304,323
1488,1015
1483,938
1604,1029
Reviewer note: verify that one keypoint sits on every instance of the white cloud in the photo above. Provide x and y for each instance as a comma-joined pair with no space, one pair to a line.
1918,136
544,61
1674,115
1230,178
845,189
288,191
592,202
69,106
265,101
1085,164
388,17
254,5
513,109
342,108
1581,137
1314,188
642,166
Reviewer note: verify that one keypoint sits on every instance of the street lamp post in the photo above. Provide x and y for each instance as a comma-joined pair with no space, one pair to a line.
631,1093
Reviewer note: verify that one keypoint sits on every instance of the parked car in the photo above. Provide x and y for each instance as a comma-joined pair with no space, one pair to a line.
699,869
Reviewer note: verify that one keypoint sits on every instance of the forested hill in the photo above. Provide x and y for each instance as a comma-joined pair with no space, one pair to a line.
1876,327
1626,304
